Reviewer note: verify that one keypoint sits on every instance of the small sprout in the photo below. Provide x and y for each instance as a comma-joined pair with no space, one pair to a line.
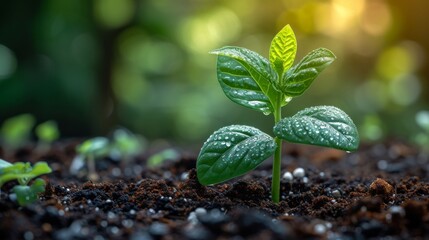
24,173
89,151
47,132
16,130
267,85
159,158
126,145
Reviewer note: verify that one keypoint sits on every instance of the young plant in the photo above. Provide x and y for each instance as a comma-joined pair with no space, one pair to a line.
125,145
16,131
89,151
46,132
23,173
266,86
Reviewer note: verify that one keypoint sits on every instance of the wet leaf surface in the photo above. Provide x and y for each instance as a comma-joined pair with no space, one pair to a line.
322,126
233,151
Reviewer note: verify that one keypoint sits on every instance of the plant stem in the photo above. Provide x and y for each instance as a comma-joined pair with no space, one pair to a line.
92,174
275,182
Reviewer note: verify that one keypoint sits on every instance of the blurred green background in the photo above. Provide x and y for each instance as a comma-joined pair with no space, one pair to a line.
144,65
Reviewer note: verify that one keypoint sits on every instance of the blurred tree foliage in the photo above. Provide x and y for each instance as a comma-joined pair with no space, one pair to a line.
94,65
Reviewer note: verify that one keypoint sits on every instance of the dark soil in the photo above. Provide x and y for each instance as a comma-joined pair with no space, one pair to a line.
381,191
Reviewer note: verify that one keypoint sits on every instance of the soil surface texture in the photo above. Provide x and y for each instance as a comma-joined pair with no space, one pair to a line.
378,192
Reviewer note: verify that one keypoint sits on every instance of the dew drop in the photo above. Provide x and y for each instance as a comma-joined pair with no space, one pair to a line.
228,144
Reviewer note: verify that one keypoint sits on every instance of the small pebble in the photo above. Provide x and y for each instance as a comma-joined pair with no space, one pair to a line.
127,223
192,218
299,172
305,179
116,172
336,193
158,229
395,213
184,176
287,176
382,164
397,210
380,187
200,211
320,228
28,235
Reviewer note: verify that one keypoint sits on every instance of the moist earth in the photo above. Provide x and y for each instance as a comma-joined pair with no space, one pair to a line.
380,191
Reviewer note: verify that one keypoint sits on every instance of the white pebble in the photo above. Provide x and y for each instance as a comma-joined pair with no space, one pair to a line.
397,210
320,228
299,172
200,211
336,193
305,179
287,176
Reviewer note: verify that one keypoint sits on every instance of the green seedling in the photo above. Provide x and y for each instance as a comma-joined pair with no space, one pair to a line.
266,86
89,151
125,145
16,130
161,157
47,132
24,173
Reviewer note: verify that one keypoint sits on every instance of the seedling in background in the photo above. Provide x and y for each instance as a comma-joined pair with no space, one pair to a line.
89,151
16,131
125,145
24,173
161,157
47,132
265,85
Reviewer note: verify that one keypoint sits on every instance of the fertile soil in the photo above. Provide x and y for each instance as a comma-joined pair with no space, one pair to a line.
381,191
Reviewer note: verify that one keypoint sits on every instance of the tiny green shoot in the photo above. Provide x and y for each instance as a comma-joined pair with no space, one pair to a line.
16,130
125,145
47,132
161,157
253,81
89,151
24,173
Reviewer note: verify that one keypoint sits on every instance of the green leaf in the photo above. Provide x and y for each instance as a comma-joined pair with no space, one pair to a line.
23,172
47,131
4,164
232,151
298,78
283,50
98,147
40,168
28,194
246,78
322,125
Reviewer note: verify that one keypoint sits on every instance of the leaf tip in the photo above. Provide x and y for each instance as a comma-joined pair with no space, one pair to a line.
214,52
